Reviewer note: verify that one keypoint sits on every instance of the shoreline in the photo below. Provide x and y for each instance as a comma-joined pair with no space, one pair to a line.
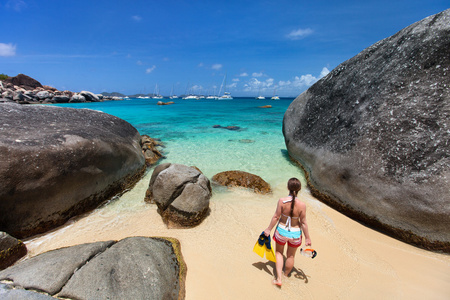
353,261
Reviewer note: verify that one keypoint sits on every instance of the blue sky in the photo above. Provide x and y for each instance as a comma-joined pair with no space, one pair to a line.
130,46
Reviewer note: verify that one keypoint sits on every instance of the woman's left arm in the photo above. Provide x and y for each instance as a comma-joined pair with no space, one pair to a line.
274,220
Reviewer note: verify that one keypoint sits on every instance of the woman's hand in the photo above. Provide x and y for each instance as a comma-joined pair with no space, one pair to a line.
267,232
308,242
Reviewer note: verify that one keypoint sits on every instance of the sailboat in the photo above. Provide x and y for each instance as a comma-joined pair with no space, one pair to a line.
260,97
226,95
275,97
156,94
213,96
172,96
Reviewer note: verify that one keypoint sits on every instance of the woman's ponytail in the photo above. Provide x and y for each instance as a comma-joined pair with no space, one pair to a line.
294,185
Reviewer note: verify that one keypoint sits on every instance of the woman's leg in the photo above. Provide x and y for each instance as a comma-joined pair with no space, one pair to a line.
279,264
290,257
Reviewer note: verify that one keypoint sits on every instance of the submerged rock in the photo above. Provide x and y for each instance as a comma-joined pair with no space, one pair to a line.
246,141
373,135
233,128
181,193
11,250
133,268
242,179
56,163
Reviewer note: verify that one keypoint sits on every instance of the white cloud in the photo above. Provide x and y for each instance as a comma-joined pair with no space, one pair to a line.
16,5
254,85
244,74
300,83
136,18
200,65
236,79
233,85
257,74
324,72
196,88
149,70
304,80
139,63
299,33
216,66
7,49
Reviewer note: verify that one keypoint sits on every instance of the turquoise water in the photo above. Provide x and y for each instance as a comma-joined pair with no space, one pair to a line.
187,130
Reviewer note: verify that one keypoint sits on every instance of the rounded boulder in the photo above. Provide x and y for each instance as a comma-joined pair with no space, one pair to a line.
56,163
181,193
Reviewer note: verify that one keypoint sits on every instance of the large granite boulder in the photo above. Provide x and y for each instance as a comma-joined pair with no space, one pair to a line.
11,250
76,98
181,193
242,179
89,96
373,135
24,81
133,268
56,163
43,95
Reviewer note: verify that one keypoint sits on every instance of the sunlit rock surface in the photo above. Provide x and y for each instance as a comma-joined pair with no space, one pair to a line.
181,193
132,268
373,135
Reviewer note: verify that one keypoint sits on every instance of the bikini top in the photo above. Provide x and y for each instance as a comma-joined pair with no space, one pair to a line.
288,220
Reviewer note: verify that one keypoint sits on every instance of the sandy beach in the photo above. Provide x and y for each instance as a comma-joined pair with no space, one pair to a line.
353,261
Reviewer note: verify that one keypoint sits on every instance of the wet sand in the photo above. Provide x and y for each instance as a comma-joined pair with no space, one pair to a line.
353,261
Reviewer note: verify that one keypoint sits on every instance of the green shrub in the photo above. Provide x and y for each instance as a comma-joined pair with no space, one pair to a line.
3,76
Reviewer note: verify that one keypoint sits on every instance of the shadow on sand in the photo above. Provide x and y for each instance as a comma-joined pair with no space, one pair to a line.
269,268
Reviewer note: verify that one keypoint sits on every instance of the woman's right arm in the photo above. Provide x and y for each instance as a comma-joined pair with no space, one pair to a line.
304,226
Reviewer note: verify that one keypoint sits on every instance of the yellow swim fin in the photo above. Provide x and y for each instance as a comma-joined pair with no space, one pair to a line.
270,254
260,247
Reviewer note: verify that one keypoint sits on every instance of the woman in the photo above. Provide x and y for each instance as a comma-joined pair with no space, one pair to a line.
291,218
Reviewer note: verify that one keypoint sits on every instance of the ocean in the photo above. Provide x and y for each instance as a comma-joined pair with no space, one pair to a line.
194,133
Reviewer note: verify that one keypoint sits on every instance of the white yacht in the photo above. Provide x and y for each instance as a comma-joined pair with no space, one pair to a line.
172,96
156,94
275,97
190,97
226,95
